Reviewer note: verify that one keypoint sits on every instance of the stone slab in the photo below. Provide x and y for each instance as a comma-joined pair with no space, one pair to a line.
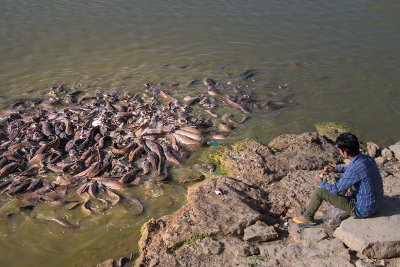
396,150
259,232
377,237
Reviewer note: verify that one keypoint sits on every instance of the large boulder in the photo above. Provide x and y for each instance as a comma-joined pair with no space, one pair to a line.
309,247
206,214
259,165
293,192
259,232
377,237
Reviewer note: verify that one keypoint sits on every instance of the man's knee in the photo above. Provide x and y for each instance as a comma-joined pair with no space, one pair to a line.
320,191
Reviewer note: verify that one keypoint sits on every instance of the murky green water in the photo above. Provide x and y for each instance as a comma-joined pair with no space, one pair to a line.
339,60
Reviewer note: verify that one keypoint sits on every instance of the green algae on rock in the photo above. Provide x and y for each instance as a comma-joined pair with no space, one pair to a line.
217,155
332,129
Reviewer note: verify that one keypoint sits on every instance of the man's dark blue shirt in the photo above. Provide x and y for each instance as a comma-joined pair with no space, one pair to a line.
363,173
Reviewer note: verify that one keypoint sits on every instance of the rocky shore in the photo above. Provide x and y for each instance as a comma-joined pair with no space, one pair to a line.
238,219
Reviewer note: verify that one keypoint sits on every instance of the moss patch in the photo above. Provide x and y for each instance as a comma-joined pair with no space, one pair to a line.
217,154
195,238
332,129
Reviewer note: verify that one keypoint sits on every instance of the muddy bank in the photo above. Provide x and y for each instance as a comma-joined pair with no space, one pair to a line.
237,219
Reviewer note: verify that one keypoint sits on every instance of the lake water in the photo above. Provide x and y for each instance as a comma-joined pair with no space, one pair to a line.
334,60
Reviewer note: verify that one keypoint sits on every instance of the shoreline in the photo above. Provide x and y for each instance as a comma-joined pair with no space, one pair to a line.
244,224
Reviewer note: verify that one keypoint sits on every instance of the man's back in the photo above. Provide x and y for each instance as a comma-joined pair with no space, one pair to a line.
369,187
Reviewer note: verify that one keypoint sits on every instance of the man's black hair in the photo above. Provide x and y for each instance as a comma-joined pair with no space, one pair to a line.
348,142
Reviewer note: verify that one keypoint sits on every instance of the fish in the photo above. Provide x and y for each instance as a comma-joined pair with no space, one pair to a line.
190,100
153,159
187,141
167,96
247,74
192,82
124,115
33,185
135,153
123,151
237,105
190,134
86,200
191,129
156,149
9,186
135,201
73,93
115,184
3,162
63,222
47,129
89,171
146,167
274,105
113,195
218,136
61,189
93,189
129,175
169,156
30,172
19,188
101,143
4,184
173,141
224,128
82,188
62,202
87,141
243,120
69,128
8,169
208,81
37,159
212,91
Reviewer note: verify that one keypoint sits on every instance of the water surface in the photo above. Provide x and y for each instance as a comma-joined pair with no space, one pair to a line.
336,61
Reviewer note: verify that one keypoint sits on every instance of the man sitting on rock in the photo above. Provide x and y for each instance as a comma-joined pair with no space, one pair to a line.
361,174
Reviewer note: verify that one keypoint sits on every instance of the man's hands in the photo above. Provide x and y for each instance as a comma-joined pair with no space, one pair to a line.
329,168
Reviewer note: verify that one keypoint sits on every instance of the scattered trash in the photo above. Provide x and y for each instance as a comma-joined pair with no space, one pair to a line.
237,157
212,143
286,224
218,191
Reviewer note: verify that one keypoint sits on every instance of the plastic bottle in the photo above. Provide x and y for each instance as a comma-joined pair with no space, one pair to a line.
212,143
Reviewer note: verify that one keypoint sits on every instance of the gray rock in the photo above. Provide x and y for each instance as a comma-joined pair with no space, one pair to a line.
373,149
380,161
270,251
259,232
375,237
396,150
107,263
362,263
387,153
209,246
315,234
267,263
280,251
245,250
307,236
